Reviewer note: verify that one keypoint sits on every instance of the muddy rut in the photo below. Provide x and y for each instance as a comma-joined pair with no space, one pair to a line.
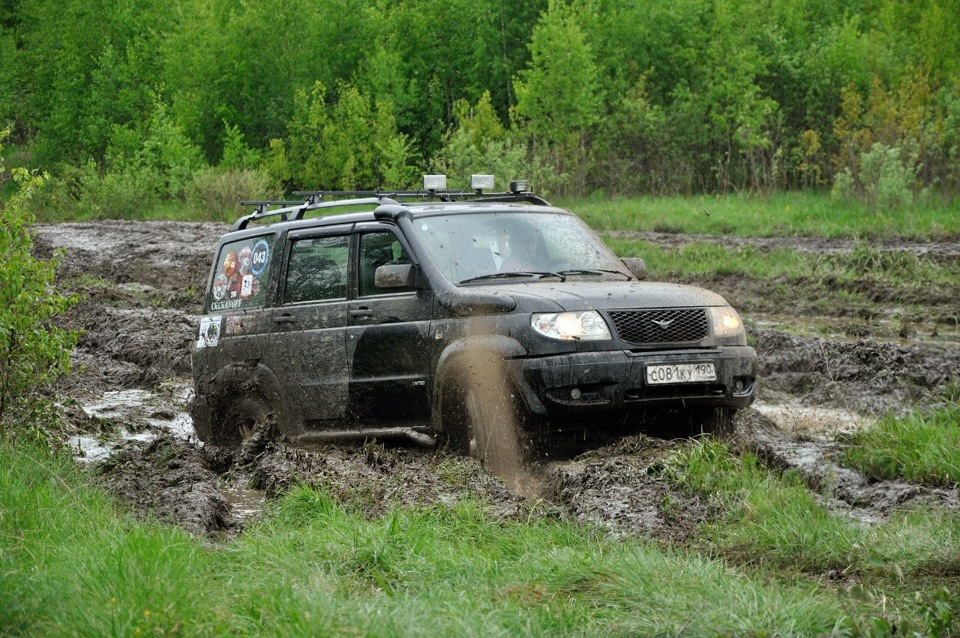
822,374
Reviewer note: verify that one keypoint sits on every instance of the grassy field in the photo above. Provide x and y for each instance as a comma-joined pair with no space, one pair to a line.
780,214
701,258
921,447
73,563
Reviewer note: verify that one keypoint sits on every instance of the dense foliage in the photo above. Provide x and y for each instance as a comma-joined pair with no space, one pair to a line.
134,101
33,351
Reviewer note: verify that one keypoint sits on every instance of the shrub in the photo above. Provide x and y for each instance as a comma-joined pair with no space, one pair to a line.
33,351
480,144
216,193
884,178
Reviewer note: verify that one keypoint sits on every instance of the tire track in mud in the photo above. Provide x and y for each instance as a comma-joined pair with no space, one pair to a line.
142,283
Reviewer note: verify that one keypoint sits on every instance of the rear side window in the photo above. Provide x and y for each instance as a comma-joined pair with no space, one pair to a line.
317,270
240,277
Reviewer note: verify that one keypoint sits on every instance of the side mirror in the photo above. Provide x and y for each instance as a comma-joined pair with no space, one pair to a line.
636,266
394,276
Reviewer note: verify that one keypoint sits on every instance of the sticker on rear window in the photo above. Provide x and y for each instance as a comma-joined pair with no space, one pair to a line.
241,274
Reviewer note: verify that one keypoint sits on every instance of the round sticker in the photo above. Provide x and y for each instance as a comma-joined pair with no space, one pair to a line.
260,257
230,263
220,283
244,257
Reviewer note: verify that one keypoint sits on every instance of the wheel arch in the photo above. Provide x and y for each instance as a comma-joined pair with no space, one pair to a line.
234,381
455,359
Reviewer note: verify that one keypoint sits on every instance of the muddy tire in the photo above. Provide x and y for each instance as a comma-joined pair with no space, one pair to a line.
239,419
482,418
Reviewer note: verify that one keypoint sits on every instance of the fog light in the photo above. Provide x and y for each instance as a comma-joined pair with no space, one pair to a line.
481,183
434,182
575,394
519,186
739,385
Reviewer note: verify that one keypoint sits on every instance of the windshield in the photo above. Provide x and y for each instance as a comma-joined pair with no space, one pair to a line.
480,246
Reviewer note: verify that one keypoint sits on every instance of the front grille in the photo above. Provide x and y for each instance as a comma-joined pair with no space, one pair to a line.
660,326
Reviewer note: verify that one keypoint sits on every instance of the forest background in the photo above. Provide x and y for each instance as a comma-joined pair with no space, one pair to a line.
136,105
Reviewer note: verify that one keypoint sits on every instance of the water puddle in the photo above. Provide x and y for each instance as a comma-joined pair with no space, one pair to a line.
144,415
813,421
134,415
245,502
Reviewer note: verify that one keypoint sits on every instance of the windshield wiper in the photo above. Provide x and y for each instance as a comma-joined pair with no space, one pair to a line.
593,271
524,273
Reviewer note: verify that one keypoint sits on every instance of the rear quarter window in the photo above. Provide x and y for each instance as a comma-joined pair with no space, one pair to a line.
241,273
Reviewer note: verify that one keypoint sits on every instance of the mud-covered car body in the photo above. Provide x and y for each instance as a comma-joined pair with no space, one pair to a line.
361,324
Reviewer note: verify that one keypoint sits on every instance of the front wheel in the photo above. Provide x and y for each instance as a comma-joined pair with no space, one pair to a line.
483,419
710,420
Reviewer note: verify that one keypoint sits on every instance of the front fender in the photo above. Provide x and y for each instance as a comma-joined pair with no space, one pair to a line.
457,357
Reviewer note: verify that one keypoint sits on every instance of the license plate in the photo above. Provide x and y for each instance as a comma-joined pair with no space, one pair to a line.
680,373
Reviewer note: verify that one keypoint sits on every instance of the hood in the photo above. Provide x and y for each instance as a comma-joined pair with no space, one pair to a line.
552,296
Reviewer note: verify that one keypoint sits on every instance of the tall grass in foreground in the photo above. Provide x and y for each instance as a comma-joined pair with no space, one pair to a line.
776,520
789,213
921,447
71,564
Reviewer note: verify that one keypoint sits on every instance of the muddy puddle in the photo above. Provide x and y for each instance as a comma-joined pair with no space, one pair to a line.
133,415
822,376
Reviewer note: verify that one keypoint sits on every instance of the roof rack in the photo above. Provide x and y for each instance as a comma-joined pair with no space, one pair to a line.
434,189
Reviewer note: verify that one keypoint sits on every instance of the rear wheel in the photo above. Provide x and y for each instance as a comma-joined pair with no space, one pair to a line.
240,418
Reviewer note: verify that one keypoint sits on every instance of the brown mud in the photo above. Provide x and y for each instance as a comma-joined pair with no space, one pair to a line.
129,393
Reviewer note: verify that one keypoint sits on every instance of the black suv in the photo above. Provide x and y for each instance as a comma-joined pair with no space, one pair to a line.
485,318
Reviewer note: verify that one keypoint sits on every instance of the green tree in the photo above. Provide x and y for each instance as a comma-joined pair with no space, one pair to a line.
86,65
557,96
33,351
479,143
346,143
242,62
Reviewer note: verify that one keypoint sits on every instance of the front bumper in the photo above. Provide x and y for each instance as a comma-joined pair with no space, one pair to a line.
602,386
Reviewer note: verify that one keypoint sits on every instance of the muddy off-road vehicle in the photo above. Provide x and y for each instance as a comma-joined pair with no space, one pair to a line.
488,320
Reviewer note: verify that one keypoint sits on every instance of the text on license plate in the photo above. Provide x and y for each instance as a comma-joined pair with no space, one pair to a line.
680,373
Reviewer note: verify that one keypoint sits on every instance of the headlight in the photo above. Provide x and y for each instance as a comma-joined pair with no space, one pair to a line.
584,325
726,322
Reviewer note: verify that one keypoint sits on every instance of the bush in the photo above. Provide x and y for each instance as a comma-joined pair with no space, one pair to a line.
884,178
216,193
480,144
34,351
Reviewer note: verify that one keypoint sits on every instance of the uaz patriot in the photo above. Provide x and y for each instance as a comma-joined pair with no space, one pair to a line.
488,319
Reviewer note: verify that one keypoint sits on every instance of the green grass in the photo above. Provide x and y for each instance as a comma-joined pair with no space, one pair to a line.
71,563
779,214
776,520
920,447
863,262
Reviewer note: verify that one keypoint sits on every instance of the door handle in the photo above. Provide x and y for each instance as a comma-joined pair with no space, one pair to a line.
284,318
361,313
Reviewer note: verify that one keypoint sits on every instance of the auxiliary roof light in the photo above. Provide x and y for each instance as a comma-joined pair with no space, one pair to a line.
434,183
519,186
481,183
